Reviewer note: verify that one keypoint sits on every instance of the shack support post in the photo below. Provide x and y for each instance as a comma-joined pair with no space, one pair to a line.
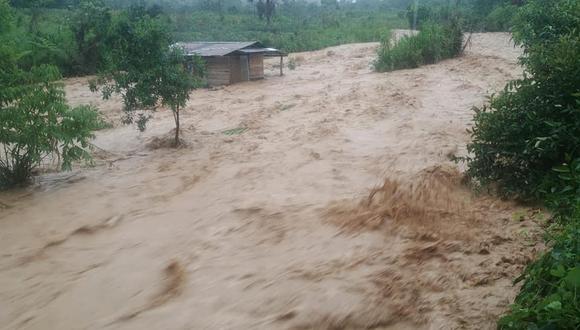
281,65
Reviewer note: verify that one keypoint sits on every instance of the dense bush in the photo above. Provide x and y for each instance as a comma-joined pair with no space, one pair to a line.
526,142
534,124
35,121
433,43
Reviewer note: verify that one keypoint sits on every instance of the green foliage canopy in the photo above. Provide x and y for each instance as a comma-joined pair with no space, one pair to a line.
534,124
35,120
145,69
90,26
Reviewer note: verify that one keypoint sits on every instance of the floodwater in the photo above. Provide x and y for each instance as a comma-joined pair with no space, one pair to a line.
323,199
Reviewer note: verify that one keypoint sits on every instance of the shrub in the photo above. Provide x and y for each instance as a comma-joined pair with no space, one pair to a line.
534,124
292,64
432,44
36,123
404,54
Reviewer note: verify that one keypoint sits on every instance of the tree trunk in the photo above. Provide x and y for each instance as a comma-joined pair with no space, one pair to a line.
34,17
176,117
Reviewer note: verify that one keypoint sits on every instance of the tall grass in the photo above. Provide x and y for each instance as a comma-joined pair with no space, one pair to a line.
432,44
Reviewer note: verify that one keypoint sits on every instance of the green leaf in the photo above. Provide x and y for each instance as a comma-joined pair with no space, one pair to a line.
562,169
558,271
554,305
573,277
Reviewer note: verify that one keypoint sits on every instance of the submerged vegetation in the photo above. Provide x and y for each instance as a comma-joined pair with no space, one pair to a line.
440,31
433,43
440,36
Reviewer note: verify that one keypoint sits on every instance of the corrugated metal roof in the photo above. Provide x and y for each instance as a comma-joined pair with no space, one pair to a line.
265,51
215,48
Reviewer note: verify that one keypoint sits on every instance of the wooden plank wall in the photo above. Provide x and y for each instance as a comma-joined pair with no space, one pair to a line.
228,69
218,71
235,69
245,67
256,66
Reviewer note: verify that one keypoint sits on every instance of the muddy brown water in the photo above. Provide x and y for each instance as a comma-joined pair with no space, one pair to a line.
323,199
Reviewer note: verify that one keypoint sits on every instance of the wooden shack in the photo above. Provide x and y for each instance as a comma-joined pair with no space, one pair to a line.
232,62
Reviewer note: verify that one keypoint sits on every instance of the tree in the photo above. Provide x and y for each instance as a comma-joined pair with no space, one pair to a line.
89,23
35,7
417,15
146,70
266,9
35,120
176,83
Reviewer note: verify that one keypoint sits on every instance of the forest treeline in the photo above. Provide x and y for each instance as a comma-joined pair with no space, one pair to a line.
72,34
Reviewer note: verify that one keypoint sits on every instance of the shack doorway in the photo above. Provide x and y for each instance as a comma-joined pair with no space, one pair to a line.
245,67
